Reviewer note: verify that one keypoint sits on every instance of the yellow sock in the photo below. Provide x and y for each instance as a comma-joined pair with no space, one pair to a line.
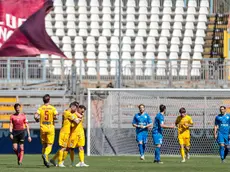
65,153
60,156
182,152
55,156
81,155
72,155
47,151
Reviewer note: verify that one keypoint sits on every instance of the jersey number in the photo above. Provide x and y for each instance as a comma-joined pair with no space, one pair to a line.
46,115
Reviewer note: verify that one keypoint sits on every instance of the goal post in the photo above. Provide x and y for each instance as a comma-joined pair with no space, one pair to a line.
110,114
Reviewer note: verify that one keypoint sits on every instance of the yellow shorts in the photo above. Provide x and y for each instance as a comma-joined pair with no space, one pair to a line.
76,140
184,141
63,139
47,137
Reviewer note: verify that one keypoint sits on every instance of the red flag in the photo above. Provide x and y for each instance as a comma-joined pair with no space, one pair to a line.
13,13
31,38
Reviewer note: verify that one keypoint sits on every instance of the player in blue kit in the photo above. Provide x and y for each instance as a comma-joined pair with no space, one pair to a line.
221,132
158,126
142,122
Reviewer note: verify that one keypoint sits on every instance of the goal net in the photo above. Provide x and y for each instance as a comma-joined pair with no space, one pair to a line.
111,111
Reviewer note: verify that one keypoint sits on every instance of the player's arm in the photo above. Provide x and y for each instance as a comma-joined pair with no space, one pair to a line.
177,122
37,115
215,128
167,126
134,123
11,129
149,122
55,112
76,120
73,118
215,131
28,130
190,123
79,115
161,120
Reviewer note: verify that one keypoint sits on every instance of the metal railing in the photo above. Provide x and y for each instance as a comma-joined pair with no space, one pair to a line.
135,72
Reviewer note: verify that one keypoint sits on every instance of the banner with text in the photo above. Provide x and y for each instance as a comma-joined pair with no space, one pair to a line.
12,15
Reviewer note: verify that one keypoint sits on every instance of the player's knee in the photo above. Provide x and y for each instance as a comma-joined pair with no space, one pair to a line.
81,148
140,142
159,145
187,147
182,146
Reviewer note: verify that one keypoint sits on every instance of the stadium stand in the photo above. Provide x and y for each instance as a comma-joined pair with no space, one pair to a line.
163,43
6,108
30,101
150,30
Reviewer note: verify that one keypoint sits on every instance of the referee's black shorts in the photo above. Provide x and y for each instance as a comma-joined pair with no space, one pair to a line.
19,136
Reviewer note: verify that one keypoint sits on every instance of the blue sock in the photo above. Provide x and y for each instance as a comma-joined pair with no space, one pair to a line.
225,152
221,151
157,153
141,149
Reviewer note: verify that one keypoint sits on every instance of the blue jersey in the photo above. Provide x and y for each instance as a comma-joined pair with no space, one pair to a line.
141,119
223,121
159,119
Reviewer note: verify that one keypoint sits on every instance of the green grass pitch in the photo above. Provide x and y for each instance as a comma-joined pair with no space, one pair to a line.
33,163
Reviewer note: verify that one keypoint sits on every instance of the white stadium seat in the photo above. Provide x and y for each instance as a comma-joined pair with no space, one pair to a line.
106,3
102,40
163,40
70,3
66,40
177,25
131,3
94,3
187,40
186,48
82,10
58,10
204,3
192,3
155,3
175,40
143,3
82,3
94,10
199,41
78,40
102,55
58,3
174,48
70,10
139,40
167,3
180,3
155,10
90,40
78,48
179,10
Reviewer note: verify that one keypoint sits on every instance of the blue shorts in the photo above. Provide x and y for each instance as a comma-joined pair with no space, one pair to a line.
142,137
157,139
222,139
